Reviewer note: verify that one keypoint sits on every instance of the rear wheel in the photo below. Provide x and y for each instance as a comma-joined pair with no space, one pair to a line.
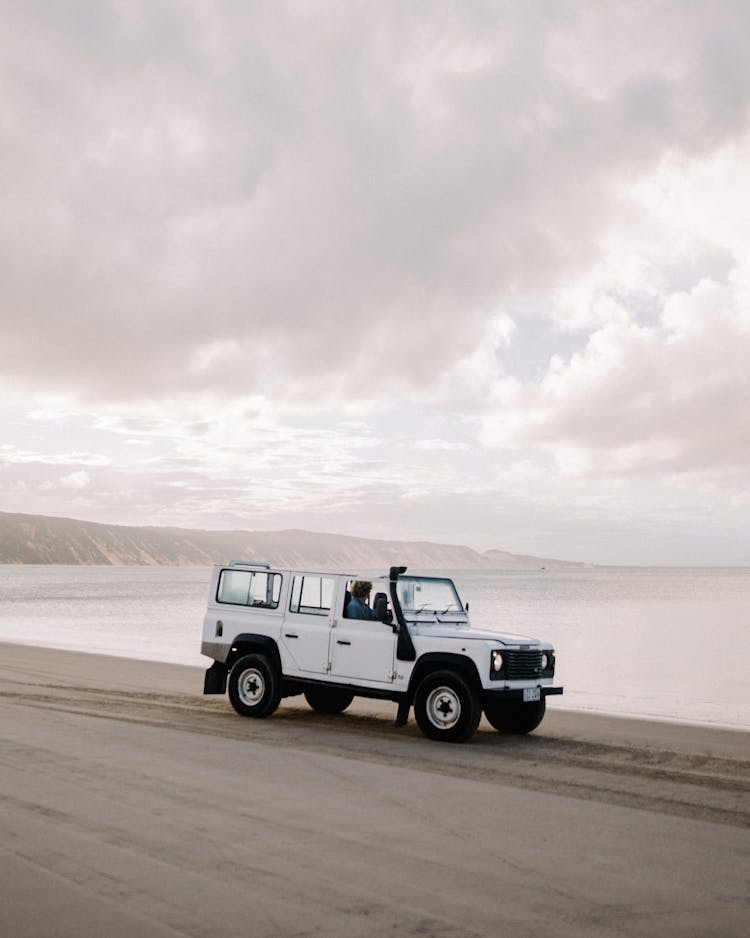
447,707
254,686
514,716
328,699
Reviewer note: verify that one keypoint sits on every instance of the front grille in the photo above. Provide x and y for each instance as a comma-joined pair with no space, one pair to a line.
522,665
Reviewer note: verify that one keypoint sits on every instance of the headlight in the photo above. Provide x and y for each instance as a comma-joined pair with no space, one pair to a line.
545,661
497,661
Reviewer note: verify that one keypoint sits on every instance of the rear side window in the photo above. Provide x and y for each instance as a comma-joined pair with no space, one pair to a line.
312,595
249,588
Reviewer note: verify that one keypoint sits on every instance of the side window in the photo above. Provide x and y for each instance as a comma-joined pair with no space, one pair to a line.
312,595
249,588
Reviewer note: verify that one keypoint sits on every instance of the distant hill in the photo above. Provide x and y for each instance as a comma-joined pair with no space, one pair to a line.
37,539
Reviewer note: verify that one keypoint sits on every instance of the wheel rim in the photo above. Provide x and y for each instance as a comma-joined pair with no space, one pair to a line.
443,707
251,687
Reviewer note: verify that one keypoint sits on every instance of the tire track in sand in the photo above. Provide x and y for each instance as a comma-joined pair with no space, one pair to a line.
691,785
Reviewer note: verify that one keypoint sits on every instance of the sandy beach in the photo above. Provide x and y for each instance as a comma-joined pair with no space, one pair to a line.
132,805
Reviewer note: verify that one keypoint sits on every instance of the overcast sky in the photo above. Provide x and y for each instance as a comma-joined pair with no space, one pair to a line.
473,272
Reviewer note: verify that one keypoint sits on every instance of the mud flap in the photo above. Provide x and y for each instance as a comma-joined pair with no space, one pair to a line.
403,711
215,681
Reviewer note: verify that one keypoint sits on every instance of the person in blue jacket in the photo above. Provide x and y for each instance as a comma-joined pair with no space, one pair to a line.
359,607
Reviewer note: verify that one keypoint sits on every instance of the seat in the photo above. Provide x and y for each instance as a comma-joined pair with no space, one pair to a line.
380,607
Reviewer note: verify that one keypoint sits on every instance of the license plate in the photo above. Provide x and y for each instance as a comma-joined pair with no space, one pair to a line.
532,693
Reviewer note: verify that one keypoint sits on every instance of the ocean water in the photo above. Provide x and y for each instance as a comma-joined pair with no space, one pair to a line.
670,644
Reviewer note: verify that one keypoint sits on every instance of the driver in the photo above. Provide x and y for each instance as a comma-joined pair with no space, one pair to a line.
359,605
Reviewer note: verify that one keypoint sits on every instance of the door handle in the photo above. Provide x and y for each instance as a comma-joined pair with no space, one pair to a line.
290,635
340,641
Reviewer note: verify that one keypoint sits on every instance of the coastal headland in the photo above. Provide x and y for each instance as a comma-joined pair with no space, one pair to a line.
130,804
38,539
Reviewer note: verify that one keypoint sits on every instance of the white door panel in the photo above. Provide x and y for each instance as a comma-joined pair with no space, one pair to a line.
363,650
307,623
306,638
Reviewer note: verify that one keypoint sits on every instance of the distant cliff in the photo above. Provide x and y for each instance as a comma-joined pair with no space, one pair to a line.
30,539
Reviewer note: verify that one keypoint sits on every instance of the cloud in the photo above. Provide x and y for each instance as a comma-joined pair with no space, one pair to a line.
324,201
217,464
251,469
472,270
668,398
76,480
441,446
657,385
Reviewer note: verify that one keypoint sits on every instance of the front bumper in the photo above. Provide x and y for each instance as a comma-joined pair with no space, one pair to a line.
516,693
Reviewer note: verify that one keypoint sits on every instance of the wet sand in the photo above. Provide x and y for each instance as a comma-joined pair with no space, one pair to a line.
131,805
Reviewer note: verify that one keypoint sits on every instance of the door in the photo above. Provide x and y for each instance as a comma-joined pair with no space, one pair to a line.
307,624
363,651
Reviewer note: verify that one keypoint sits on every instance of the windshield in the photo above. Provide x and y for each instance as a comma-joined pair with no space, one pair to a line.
427,594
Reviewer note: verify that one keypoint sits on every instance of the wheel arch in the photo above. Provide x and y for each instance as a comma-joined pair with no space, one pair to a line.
249,643
440,661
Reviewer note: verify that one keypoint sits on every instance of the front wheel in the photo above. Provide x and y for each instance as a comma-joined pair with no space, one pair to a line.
254,686
514,716
328,699
447,707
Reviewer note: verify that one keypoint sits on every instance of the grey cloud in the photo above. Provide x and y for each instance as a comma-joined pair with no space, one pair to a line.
329,192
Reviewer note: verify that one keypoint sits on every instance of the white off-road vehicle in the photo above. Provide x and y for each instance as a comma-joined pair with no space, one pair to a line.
275,633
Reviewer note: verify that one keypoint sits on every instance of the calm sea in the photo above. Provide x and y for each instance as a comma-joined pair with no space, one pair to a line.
665,643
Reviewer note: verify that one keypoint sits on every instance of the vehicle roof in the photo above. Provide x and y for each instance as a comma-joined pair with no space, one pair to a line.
262,567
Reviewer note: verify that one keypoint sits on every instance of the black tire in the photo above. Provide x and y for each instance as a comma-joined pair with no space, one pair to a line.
514,716
328,699
447,707
254,686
